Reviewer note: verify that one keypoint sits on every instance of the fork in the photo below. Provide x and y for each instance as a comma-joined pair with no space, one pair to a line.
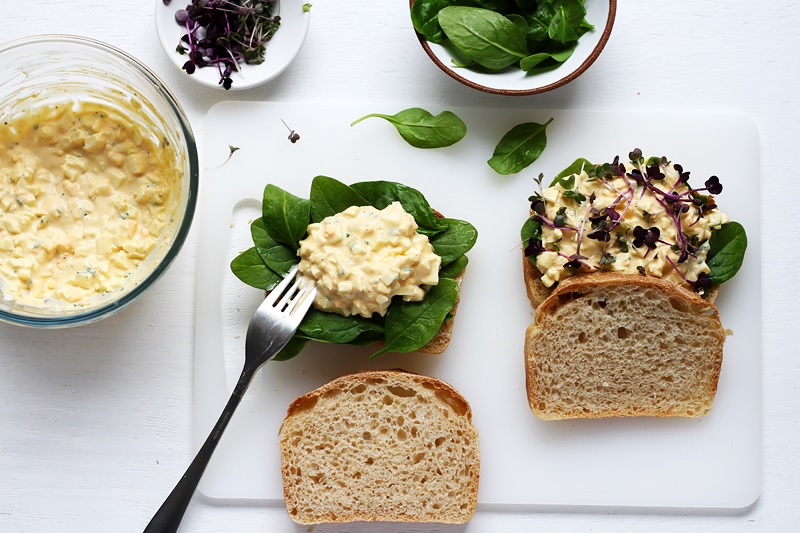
272,325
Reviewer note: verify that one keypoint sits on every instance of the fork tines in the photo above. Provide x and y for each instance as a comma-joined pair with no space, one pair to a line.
291,296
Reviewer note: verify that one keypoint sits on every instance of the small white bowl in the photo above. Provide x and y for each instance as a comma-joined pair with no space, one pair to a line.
280,50
515,82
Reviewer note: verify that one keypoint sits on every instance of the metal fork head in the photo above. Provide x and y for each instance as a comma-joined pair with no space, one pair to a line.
278,317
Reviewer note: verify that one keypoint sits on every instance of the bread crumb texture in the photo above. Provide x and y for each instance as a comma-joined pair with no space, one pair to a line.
380,446
635,348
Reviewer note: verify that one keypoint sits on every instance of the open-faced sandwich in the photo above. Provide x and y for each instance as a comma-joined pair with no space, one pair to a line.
388,268
380,446
622,262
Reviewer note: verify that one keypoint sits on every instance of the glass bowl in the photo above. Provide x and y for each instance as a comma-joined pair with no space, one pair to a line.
53,70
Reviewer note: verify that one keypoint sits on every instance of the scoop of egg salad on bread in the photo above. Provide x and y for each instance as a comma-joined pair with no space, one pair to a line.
387,266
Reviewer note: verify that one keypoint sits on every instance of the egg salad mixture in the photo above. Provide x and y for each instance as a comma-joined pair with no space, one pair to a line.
84,197
362,257
632,218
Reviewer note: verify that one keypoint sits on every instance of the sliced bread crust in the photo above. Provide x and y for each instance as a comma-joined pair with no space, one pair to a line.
380,446
607,345
538,293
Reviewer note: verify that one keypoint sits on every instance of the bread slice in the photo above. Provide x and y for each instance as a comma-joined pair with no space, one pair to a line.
380,446
538,293
607,345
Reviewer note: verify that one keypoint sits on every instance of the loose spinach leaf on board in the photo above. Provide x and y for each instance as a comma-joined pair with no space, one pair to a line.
424,16
335,328
726,254
520,147
278,257
411,325
382,193
455,241
285,215
421,129
330,196
250,268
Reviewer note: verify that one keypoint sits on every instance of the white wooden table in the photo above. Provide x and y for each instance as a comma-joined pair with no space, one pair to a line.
95,421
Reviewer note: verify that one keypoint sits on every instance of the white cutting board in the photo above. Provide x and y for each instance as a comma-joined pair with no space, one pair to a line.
710,463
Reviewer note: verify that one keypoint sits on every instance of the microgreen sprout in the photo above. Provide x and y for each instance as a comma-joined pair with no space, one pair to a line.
683,206
293,135
225,33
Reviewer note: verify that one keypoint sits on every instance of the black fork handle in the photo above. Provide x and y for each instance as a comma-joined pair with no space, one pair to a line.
169,515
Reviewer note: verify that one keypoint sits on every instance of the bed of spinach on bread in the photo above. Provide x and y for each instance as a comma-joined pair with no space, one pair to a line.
407,326
724,250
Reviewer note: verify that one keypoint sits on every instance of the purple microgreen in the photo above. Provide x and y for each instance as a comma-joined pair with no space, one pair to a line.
560,219
293,135
713,185
226,34
231,150
606,259
534,247
574,195
646,237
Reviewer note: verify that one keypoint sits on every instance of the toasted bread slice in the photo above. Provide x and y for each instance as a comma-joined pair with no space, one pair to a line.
606,345
380,446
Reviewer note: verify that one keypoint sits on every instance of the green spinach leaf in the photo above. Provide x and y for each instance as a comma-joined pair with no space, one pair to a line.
726,254
250,268
424,16
455,268
486,37
411,325
546,59
520,147
455,241
382,193
292,348
574,168
421,129
565,26
285,216
330,196
278,257
335,328
531,229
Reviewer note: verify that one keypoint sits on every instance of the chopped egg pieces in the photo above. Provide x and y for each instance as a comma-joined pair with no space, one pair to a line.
362,257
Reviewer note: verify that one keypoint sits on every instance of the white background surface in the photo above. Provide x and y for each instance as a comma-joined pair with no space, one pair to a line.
95,422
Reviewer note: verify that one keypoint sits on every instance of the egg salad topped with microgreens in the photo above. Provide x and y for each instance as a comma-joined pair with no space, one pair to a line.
635,217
